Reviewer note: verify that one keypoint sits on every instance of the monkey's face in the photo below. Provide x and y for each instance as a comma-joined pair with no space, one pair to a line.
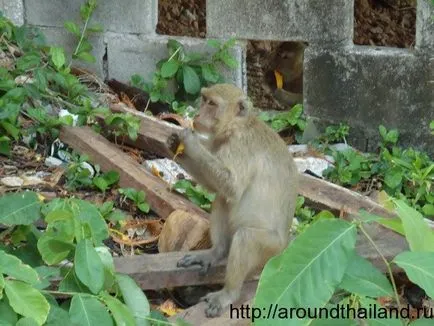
219,105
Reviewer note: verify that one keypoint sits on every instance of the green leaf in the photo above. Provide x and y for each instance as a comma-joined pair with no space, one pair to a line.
5,146
14,267
369,305
54,250
393,177
58,317
419,267
96,28
394,224
7,315
57,56
302,275
19,208
121,313
169,68
383,131
428,209
72,27
86,310
213,43
134,298
22,296
417,232
191,80
85,56
422,322
46,273
100,183
88,266
10,129
26,321
209,73
144,207
362,278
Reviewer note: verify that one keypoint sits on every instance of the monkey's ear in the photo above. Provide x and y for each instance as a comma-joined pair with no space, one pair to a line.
244,106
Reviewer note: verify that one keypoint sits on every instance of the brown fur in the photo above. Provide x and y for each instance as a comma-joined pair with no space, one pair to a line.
249,167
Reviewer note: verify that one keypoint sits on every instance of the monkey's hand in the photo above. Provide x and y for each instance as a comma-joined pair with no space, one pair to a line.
205,261
191,142
173,142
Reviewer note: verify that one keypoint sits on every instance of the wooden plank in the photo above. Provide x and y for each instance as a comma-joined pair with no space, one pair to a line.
163,202
159,271
153,135
337,197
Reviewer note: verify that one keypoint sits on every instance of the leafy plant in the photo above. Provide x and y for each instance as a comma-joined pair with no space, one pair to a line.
195,193
325,254
137,197
124,124
189,72
78,173
84,47
431,126
404,173
285,120
106,180
30,259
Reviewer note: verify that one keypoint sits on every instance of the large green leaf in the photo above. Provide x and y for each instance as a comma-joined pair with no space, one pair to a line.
19,208
26,321
191,80
58,56
7,315
27,301
134,298
417,232
58,317
375,314
54,250
86,212
362,278
86,310
419,267
307,273
12,266
169,68
120,312
88,266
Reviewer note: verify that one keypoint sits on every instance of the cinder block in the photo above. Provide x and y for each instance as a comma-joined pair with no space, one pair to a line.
139,54
314,21
366,87
60,37
132,16
14,10
425,25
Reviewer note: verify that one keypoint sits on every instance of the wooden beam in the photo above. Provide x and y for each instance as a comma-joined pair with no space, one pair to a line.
159,271
153,135
162,201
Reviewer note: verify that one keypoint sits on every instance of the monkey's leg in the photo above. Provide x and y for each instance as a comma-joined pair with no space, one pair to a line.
250,249
220,239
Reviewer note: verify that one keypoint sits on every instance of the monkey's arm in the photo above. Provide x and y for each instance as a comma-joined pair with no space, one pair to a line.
207,168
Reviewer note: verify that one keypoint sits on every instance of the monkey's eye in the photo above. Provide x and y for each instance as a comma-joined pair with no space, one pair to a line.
212,103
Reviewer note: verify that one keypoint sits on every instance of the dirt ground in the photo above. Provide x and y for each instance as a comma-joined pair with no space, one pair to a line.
376,22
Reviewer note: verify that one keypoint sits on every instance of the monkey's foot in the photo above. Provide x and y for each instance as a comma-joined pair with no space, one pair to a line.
191,260
173,142
217,302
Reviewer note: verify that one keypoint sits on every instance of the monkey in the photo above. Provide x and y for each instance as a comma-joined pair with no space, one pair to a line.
237,156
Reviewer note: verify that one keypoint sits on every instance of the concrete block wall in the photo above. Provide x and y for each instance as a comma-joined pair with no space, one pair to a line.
128,44
363,86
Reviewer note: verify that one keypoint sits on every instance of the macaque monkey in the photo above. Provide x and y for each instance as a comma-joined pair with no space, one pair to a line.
248,166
